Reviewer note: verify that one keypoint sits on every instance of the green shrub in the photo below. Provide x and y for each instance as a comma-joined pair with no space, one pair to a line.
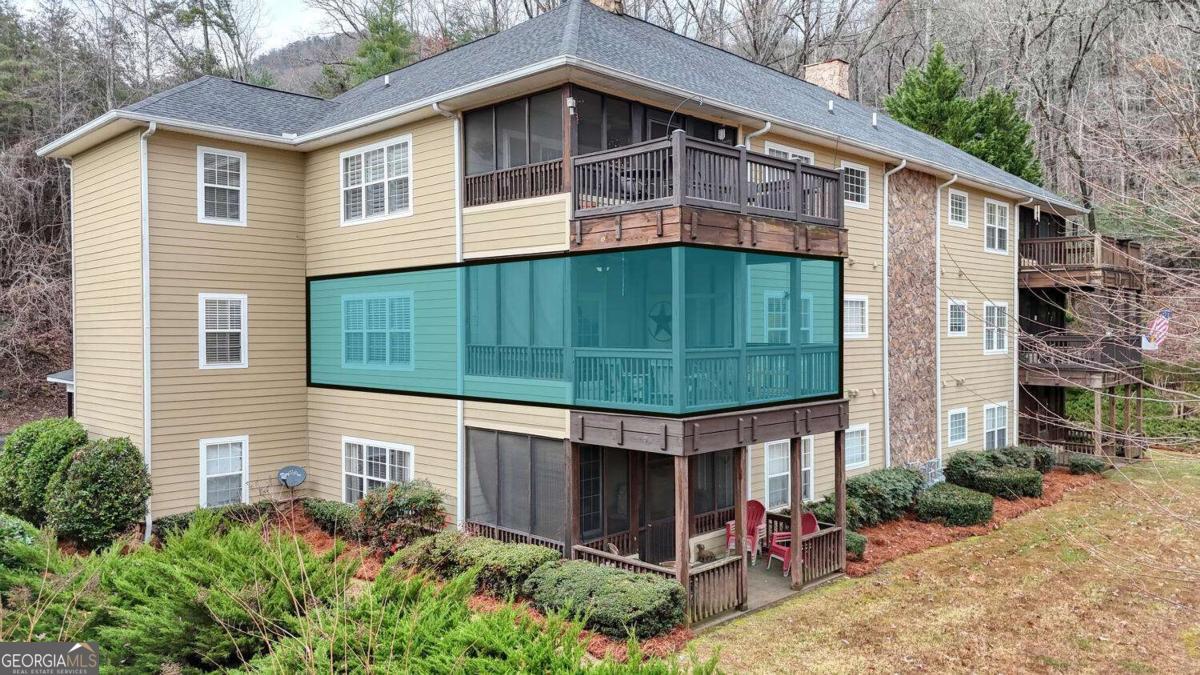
962,467
501,569
59,437
13,530
1010,482
1080,464
393,518
888,492
856,545
16,449
227,515
951,504
1025,456
858,513
612,602
99,491
335,518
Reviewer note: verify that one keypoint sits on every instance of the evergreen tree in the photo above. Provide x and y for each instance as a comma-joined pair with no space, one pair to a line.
1000,135
387,47
930,99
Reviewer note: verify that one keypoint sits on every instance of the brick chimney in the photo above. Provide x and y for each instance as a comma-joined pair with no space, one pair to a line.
614,6
832,75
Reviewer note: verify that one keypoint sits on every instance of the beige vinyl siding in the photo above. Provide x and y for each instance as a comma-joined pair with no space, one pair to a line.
424,238
427,424
108,288
538,225
263,260
971,379
518,419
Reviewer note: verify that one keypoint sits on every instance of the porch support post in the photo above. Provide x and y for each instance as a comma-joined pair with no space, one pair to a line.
683,521
839,487
1112,416
571,531
796,501
636,465
1098,420
1141,421
1127,418
739,524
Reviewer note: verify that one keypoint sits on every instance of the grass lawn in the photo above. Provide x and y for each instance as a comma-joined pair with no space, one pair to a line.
1107,580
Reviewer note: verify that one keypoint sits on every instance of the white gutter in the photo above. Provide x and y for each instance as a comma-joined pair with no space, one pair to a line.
145,206
937,286
887,357
1015,327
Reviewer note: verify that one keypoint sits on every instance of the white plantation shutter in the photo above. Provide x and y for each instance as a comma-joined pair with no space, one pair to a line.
376,181
223,330
377,330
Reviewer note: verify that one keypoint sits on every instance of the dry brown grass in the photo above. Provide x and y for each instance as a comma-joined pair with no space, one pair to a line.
1105,581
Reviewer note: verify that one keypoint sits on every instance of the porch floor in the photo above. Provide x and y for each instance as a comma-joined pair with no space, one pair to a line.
767,587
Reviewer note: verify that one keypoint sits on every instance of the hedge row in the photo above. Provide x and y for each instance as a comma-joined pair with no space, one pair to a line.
951,504
610,601
502,568
393,518
1080,464
1009,472
337,519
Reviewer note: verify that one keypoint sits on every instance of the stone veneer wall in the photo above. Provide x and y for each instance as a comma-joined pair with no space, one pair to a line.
912,319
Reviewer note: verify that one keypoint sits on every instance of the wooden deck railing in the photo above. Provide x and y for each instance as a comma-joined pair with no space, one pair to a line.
716,587
823,553
1089,251
621,562
510,536
712,521
519,361
520,182
1079,352
682,171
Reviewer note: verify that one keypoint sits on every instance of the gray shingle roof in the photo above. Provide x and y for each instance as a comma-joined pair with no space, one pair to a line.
582,31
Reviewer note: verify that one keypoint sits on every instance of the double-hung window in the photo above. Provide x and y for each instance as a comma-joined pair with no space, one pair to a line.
956,318
787,152
995,426
856,183
220,186
224,471
371,465
956,427
223,319
856,316
858,446
377,330
779,317
995,226
376,181
957,211
995,328
779,471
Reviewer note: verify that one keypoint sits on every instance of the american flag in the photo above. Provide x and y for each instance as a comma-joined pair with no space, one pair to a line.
1157,331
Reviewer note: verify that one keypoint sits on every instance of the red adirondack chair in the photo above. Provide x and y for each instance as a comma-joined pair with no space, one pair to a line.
780,545
756,529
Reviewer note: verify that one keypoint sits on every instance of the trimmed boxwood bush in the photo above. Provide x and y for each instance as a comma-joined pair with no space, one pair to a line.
1010,482
501,569
887,492
962,467
99,491
951,504
1027,456
393,518
1080,464
858,513
856,545
612,602
16,449
57,439
335,518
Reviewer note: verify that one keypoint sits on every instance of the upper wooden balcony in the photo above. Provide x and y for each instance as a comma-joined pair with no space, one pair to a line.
1084,263
682,189
1079,360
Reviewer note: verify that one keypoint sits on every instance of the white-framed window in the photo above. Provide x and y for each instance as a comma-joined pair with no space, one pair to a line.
995,226
778,308
857,316
377,181
957,208
223,330
805,325
995,328
856,185
224,471
787,152
858,446
778,468
377,330
370,465
956,427
956,318
220,186
995,426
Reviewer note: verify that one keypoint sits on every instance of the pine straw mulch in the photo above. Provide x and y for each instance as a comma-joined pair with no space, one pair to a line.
908,535
291,519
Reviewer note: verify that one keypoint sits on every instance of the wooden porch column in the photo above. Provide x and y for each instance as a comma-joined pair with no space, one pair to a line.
1112,416
1127,418
796,501
636,465
839,489
571,531
683,521
739,520
1098,420
1141,421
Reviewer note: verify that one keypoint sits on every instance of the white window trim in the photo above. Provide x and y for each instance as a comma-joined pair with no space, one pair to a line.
988,407
402,447
965,222
950,332
866,185
775,293
245,362
342,222
807,449
950,442
1007,328
866,445
866,333
412,351
1008,228
204,443
806,154
200,217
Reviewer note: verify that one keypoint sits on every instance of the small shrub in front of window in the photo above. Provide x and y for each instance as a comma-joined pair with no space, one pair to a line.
951,504
1027,456
963,467
1080,464
1010,482
888,492
856,545
57,439
99,491
394,517
610,601
334,518
859,514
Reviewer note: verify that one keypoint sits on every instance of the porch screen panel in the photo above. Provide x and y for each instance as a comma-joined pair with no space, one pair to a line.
516,481
483,488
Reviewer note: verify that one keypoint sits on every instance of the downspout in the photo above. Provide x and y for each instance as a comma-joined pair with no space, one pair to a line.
755,134
937,285
460,441
1016,304
145,205
887,357
71,224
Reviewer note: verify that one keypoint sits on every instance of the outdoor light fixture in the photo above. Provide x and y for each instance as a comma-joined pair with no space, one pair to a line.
571,106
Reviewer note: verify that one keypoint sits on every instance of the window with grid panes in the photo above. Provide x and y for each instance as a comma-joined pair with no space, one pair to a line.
995,226
224,462
956,427
377,330
995,426
958,208
779,470
958,318
995,328
778,317
376,181
371,465
222,186
223,331
858,447
855,187
855,309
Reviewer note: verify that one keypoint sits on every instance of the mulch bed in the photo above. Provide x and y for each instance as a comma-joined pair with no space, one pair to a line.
908,535
293,520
